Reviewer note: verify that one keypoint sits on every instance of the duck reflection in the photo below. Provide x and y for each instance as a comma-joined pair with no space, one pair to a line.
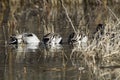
52,51
54,48
23,50
32,47
78,50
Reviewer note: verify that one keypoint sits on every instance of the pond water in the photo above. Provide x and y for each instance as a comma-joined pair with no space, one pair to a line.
64,62
37,62
26,62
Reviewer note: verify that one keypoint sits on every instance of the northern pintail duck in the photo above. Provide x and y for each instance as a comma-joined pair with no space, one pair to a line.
77,38
24,38
52,39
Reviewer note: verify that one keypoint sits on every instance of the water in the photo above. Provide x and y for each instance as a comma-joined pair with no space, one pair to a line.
21,63
37,62
40,62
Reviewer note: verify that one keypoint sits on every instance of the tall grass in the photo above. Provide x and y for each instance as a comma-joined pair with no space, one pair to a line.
102,55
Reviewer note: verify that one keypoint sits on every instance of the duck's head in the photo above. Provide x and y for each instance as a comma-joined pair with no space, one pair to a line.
45,40
13,40
100,27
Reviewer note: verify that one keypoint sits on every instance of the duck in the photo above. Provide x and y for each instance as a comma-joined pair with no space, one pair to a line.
77,38
99,32
26,38
30,38
52,39
100,27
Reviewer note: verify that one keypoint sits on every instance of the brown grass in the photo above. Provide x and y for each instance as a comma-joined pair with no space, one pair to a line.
104,51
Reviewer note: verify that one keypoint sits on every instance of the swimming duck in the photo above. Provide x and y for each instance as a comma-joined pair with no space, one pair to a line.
52,39
24,38
77,38
30,38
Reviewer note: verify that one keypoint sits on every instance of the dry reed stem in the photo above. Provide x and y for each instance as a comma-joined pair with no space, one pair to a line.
68,16
106,46
112,53
4,33
113,13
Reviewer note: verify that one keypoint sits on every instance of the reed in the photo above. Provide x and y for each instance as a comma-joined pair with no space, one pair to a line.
101,56
103,51
68,16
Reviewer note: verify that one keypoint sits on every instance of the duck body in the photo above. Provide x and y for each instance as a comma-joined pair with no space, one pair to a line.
77,38
30,38
52,39
24,38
